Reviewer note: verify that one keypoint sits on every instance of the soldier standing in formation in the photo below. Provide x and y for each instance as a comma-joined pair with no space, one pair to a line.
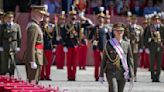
59,41
10,38
136,40
86,24
33,56
98,38
47,28
72,42
154,41
117,60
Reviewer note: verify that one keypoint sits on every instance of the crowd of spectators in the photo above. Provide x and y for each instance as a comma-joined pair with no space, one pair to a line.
115,7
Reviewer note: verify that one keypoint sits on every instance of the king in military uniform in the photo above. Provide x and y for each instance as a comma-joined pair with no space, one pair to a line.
33,56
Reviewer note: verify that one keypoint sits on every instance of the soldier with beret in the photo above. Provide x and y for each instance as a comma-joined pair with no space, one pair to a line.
117,61
10,42
33,56
154,41
98,37
136,41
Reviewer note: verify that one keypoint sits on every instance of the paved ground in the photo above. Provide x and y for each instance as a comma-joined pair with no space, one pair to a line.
85,81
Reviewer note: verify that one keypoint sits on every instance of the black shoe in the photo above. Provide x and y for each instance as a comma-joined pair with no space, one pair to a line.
71,80
48,79
157,80
41,78
97,79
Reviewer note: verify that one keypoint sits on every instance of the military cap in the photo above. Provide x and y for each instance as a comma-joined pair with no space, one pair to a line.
40,8
62,15
119,27
155,17
101,14
9,14
107,14
133,17
72,12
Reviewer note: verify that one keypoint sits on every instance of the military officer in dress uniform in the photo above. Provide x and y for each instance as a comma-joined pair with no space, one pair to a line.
117,60
10,38
33,56
47,28
98,39
72,42
86,24
59,40
136,41
154,41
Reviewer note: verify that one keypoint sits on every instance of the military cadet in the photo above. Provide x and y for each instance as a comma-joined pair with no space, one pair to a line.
154,39
1,19
47,28
98,39
86,24
72,43
33,56
10,38
59,40
117,60
136,41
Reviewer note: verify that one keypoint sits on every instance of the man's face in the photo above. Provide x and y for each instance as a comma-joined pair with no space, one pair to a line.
118,33
101,20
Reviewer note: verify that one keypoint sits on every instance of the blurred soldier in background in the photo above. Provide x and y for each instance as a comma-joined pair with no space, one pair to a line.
98,39
86,24
10,41
59,40
136,41
47,28
72,42
154,41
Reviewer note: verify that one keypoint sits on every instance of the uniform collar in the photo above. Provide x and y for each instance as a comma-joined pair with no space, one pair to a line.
34,20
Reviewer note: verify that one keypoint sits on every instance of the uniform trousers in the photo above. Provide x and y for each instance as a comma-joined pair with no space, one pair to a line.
82,56
97,62
72,62
46,69
33,74
60,57
155,55
8,63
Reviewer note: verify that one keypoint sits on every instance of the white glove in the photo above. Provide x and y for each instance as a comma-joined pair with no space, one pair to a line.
101,80
54,50
140,50
65,49
33,65
1,49
147,51
17,49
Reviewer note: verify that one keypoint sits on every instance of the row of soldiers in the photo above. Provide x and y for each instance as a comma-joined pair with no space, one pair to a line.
70,38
